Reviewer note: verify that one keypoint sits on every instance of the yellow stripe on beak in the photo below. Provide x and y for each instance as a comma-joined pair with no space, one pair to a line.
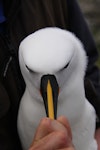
49,91
50,101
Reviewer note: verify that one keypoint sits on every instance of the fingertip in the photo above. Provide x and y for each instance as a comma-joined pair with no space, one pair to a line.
63,120
43,129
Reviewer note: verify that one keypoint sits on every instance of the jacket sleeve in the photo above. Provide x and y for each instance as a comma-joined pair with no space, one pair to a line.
78,25
6,133
9,139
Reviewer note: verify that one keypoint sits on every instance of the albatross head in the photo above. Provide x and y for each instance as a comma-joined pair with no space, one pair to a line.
51,55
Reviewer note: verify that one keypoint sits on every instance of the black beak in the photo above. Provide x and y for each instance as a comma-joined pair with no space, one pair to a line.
49,91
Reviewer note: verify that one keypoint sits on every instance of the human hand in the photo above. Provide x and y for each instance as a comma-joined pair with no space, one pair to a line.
97,136
53,135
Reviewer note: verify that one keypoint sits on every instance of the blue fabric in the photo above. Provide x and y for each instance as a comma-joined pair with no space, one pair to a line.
2,17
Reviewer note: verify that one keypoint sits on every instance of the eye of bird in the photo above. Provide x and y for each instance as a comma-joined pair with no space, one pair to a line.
66,66
31,71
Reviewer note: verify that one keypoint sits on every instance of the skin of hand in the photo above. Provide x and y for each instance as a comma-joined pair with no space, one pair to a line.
97,136
53,135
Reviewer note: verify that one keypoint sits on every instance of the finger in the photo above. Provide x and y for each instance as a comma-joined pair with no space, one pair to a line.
68,148
97,137
47,126
43,129
66,124
54,140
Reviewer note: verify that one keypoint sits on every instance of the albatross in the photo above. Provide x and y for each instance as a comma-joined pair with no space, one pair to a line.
53,64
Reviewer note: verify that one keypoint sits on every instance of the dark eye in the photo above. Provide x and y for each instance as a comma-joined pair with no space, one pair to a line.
29,69
66,66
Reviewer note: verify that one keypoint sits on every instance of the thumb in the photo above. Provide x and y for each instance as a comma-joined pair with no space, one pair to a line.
66,124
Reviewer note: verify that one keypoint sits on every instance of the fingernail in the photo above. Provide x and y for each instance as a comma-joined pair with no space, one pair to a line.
57,126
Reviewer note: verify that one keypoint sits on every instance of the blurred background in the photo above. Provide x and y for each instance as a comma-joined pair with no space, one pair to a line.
91,11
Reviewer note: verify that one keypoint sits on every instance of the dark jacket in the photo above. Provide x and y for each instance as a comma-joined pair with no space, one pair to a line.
21,20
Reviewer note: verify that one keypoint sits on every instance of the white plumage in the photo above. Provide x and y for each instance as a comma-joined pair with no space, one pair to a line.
48,51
